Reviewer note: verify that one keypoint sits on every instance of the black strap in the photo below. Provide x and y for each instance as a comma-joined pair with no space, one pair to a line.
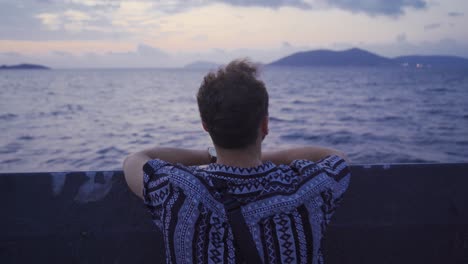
242,237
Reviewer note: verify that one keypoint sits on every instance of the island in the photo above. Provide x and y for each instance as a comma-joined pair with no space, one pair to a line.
24,67
359,57
419,61
351,57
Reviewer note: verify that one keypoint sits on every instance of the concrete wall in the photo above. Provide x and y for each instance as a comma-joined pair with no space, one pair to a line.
391,214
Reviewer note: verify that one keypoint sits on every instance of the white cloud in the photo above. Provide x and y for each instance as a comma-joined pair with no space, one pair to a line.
93,3
68,20
75,15
135,17
50,21
75,21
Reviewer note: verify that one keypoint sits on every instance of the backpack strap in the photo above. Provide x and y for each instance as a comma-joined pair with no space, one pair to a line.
242,237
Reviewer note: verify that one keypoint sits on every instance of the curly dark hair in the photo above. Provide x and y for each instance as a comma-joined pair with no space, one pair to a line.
232,103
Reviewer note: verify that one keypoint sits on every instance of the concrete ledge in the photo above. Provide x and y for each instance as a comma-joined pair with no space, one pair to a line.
401,213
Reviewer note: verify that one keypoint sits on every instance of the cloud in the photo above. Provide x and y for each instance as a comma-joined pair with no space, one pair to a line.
93,3
286,45
176,6
401,38
200,37
50,21
144,56
267,3
445,46
132,19
455,14
432,26
61,53
148,56
17,18
370,7
69,20
74,15
10,54
377,7
133,15
7,58
149,51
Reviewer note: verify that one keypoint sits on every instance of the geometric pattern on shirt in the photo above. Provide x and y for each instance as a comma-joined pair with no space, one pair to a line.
281,205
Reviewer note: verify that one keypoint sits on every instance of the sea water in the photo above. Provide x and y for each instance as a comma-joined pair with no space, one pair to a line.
61,120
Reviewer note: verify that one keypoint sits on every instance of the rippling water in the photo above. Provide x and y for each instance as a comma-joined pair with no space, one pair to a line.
90,119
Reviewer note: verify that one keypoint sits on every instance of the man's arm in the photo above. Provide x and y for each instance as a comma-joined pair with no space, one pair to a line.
311,153
133,163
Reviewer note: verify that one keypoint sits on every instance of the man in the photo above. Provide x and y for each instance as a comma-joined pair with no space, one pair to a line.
284,199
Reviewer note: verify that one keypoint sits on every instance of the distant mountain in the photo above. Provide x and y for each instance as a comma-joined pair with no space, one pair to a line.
201,65
24,67
359,57
351,57
432,61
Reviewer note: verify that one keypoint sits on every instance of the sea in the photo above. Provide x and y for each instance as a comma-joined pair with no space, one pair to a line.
90,119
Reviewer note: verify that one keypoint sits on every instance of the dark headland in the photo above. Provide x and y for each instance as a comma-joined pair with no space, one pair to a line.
359,57
24,67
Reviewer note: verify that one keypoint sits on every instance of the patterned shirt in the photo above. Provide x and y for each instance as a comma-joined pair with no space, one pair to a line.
287,208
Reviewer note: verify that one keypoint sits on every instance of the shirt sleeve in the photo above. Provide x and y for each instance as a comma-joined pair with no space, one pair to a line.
337,174
156,188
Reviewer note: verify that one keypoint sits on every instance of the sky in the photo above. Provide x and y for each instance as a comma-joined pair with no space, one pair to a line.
173,33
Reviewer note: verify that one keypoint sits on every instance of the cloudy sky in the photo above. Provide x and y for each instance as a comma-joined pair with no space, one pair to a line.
171,33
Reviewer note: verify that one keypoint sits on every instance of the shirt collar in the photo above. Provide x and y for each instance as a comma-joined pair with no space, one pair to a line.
266,166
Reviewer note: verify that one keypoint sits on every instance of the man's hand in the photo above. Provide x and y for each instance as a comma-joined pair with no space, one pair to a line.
311,153
133,163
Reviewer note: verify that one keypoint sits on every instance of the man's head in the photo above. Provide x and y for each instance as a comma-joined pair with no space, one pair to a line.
233,103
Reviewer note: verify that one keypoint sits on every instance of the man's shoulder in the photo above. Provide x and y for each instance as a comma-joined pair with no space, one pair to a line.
332,165
156,165
188,178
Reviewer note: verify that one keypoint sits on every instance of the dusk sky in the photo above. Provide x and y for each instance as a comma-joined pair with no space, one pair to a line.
119,33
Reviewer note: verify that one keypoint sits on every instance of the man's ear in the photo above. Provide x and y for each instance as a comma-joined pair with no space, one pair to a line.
205,127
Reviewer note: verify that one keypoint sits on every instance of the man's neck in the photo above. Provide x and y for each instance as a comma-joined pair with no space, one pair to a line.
242,158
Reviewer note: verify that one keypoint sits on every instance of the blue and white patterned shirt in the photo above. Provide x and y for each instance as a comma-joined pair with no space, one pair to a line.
287,208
